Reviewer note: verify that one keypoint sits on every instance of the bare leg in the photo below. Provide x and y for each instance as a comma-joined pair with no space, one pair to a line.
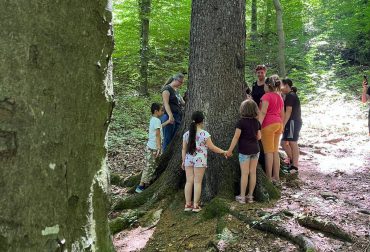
295,152
189,184
252,177
276,166
268,164
244,169
288,150
198,177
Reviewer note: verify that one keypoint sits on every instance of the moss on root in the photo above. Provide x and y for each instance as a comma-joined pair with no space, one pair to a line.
216,208
125,220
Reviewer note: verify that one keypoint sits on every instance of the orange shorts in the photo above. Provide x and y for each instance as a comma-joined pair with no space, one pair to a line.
271,137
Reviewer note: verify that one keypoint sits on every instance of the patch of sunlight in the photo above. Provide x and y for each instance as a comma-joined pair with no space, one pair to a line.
348,165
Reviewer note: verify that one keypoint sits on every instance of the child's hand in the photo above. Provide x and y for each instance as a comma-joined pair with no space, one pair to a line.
228,154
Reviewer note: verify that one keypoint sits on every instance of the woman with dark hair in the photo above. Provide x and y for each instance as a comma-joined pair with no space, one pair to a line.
195,143
292,124
172,102
271,118
258,86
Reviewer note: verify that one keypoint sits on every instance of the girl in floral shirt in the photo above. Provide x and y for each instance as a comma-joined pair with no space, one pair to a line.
196,141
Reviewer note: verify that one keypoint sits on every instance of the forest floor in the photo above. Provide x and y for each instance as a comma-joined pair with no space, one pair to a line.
333,185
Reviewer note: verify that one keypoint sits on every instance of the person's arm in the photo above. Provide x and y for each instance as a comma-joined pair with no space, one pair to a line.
365,96
158,141
166,123
182,102
233,142
263,111
213,147
259,135
286,115
166,100
183,153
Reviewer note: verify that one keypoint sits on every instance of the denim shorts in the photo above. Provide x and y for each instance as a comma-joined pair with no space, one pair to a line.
243,158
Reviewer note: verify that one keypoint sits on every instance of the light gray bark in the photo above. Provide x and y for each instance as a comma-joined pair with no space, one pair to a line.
280,31
55,104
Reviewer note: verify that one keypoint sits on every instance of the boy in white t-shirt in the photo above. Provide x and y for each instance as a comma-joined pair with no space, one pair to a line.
153,146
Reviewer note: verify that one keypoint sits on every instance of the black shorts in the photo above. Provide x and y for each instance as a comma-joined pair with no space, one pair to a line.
291,131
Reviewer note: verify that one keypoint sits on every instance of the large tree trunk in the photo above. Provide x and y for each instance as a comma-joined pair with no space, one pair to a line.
216,75
55,104
254,20
145,6
280,30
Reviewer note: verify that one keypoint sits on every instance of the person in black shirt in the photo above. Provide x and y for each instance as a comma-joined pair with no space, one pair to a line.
292,124
258,86
172,102
247,134
366,97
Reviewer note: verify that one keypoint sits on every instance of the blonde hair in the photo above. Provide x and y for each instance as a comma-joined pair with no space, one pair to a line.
273,83
248,109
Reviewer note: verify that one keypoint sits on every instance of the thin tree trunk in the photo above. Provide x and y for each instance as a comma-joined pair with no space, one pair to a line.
254,20
145,6
267,30
280,31
55,103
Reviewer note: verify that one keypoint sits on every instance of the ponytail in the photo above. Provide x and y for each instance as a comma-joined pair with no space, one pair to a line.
294,89
192,146
197,117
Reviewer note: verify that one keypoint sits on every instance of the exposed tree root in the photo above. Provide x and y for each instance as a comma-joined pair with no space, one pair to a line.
324,226
124,221
269,226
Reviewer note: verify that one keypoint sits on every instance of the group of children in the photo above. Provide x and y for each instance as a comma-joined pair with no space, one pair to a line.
197,141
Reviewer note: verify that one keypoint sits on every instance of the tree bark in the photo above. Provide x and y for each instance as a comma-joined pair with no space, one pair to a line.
254,20
145,6
267,30
280,31
55,103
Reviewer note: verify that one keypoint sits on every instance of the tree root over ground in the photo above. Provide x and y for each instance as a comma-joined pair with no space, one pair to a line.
324,226
269,226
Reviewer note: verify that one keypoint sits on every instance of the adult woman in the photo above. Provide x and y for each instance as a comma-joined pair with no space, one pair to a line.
292,123
258,86
172,102
366,97
271,118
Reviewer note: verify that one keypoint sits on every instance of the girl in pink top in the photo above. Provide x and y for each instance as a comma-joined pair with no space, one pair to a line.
271,118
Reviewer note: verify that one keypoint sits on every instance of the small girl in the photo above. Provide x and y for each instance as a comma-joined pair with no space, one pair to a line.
247,134
195,143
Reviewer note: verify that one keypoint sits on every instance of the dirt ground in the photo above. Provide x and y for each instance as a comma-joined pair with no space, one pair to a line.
333,185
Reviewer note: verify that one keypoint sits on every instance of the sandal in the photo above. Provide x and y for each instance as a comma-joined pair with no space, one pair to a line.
250,199
240,199
188,207
196,208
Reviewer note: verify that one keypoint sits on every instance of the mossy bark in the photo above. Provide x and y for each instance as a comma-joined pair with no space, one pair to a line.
55,104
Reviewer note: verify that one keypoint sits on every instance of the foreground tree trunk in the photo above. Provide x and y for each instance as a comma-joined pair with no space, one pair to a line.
280,31
145,6
216,75
55,104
